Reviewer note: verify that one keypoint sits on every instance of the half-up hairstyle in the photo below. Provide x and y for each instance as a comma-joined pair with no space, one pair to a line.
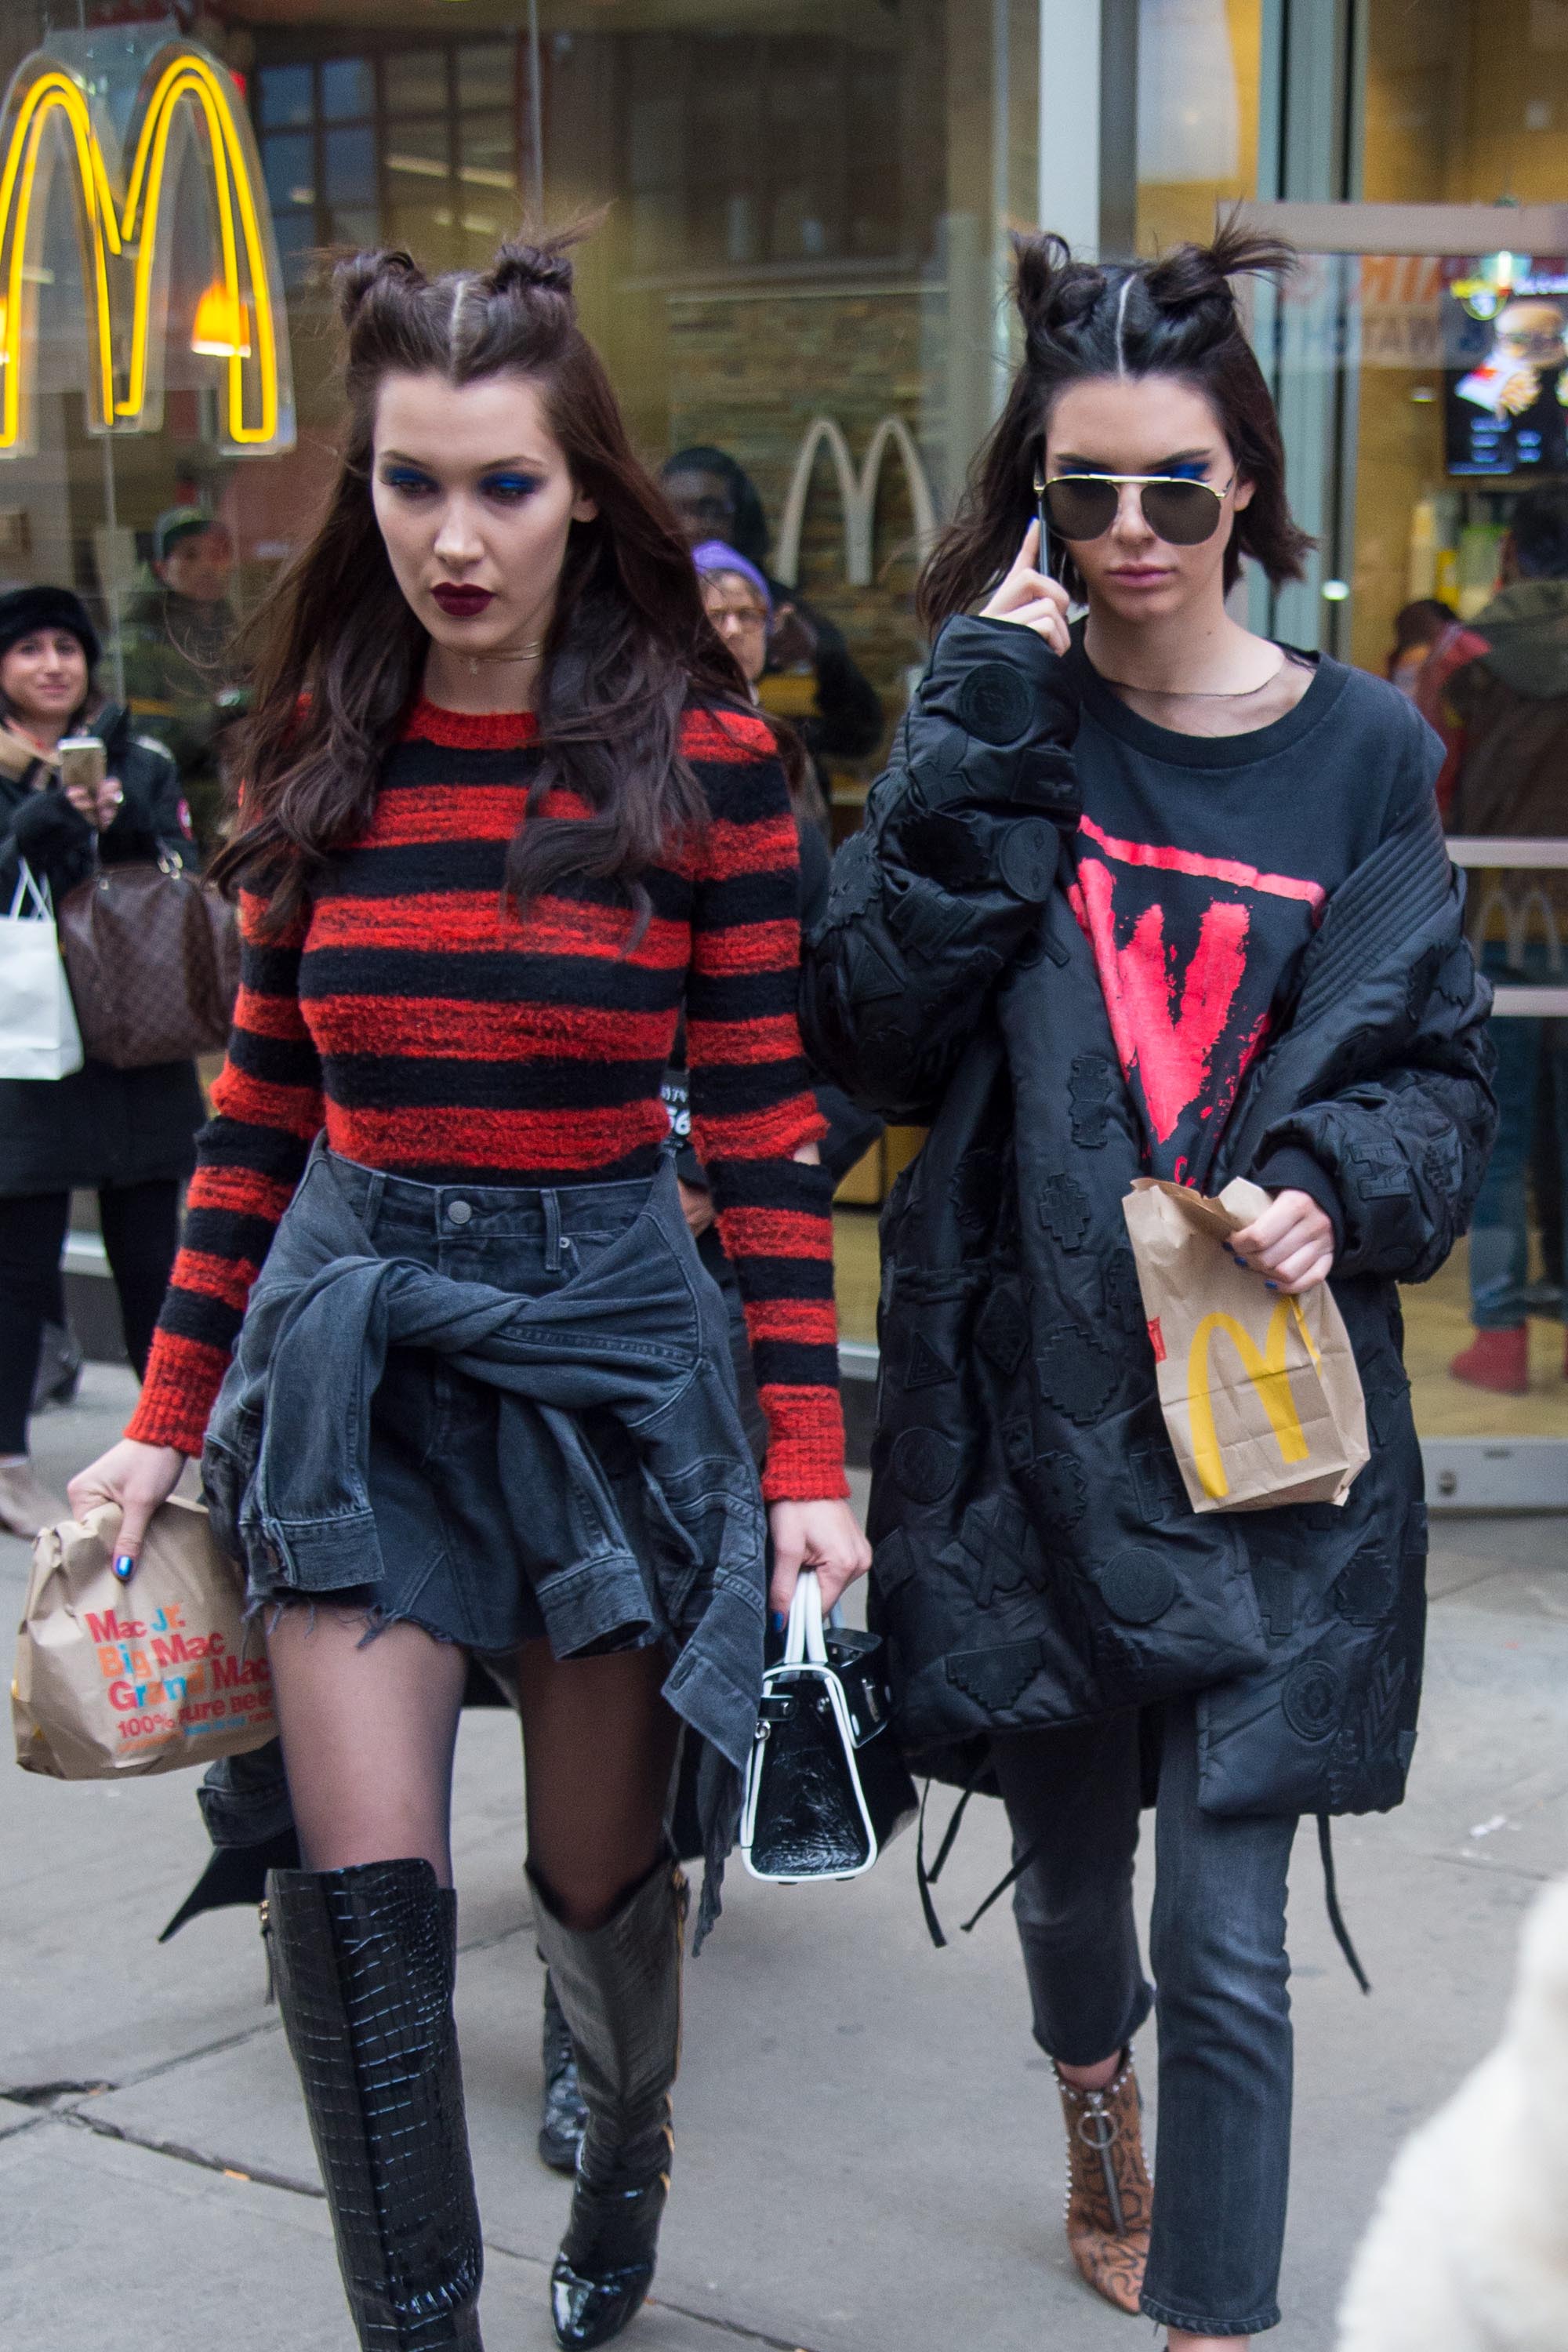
342,655
1176,316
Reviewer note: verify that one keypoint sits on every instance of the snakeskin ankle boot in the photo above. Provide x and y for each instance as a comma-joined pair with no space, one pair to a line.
363,1961
1109,2197
619,1990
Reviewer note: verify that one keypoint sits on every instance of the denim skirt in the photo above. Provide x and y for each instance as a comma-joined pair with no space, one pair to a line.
450,1560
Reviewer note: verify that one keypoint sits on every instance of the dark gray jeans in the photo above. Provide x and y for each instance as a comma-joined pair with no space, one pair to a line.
1217,1953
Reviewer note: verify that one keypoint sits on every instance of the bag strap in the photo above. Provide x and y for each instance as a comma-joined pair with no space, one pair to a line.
804,1643
30,886
1331,1900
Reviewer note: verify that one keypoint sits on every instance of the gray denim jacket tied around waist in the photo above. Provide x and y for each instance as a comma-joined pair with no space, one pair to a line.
638,1333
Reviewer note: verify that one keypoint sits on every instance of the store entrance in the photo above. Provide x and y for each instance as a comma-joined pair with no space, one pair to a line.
1420,364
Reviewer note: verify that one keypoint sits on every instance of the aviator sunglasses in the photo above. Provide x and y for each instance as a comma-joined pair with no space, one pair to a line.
1084,506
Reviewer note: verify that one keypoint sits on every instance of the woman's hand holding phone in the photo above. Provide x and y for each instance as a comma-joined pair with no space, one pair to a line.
1031,598
98,803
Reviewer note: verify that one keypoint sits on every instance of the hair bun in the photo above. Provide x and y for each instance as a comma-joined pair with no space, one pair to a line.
520,268
357,278
1193,274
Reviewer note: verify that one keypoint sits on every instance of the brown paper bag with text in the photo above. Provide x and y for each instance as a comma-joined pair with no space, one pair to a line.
1261,1393
118,1679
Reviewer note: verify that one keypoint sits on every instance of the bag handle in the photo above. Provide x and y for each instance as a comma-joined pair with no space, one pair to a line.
804,1643
30,887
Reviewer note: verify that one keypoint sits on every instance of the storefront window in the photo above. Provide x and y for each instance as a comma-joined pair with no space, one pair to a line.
1198,83
800,264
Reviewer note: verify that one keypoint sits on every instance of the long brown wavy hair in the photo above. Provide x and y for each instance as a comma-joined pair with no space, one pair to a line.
1175,316
341,656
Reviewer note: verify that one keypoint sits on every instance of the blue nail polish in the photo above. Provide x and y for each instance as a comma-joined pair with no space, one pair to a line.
778,1621
1271,1285
124,1567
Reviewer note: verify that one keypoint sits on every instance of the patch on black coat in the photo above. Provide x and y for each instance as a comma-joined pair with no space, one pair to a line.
995,1550
1367,1590
995,702
1027,860
996,1677
1064,1208
1157,1483
926,1369
1137,1586
894,1563
1089,1091
1123,1298
1056,1487
1002,1331
1313,1698
925,1464
1075,1373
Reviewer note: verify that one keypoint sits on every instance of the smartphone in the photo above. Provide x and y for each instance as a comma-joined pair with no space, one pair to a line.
82,761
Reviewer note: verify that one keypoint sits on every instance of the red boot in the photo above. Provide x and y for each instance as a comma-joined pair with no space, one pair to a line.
1499,1360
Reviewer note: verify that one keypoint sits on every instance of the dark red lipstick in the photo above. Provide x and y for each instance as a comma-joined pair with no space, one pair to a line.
463,604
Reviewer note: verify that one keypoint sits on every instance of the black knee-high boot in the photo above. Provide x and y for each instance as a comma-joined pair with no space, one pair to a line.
619,1990
363,1961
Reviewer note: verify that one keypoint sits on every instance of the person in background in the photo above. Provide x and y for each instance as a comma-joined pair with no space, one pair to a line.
176,642
127,1133
715,499
1511,702
1429,644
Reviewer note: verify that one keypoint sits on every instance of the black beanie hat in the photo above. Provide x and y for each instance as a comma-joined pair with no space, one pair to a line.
26,609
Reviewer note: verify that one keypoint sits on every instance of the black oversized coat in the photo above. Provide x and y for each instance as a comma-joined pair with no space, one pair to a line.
1036,1559
99,1125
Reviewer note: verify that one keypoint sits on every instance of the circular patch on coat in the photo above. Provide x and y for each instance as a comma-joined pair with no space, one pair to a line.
1313,1699
1137,1586
924,1463
1027,860
993,703
1057,1488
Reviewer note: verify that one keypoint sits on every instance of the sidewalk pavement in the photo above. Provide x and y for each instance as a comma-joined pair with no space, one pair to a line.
868,2157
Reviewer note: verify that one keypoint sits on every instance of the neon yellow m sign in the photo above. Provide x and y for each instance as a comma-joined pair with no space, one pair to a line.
241,317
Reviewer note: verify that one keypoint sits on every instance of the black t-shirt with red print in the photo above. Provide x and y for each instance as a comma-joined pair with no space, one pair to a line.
1203,865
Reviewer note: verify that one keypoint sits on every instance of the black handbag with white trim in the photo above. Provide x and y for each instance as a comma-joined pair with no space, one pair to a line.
825,1786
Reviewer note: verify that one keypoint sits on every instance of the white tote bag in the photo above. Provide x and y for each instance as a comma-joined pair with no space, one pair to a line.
38,1035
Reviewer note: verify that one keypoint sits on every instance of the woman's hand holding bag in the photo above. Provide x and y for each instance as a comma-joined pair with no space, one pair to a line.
825,1786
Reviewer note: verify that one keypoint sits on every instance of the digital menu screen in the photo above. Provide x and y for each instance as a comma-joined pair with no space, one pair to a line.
1505,365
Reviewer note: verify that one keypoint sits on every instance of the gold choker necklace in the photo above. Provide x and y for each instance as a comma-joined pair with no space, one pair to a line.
526,653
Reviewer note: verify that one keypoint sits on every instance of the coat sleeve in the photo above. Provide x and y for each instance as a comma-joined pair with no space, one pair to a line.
1405,1147
933,898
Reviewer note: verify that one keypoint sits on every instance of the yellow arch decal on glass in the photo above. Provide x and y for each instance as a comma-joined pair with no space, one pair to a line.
1265,1368
256,403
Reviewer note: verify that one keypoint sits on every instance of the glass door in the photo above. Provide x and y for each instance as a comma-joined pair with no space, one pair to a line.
1420,362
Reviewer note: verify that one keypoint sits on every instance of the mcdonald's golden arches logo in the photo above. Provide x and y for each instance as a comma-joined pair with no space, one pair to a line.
1265,1368
52,115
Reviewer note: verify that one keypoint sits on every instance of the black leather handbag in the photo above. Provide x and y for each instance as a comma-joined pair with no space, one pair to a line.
825,1786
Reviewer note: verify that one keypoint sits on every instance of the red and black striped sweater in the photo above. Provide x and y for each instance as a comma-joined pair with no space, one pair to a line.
435,1034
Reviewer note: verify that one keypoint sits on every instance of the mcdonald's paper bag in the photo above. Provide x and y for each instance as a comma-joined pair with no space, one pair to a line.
115,1678
1261,1393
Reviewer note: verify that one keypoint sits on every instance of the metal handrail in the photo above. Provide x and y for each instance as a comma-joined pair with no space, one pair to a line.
1501,853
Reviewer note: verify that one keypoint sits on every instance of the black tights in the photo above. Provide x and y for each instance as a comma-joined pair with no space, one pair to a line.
141,1224
369,1730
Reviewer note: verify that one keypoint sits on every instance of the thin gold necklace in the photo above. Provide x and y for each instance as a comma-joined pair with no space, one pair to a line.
1199,693
527,653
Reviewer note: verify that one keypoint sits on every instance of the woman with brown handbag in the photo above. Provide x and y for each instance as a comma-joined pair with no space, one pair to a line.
126,1134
